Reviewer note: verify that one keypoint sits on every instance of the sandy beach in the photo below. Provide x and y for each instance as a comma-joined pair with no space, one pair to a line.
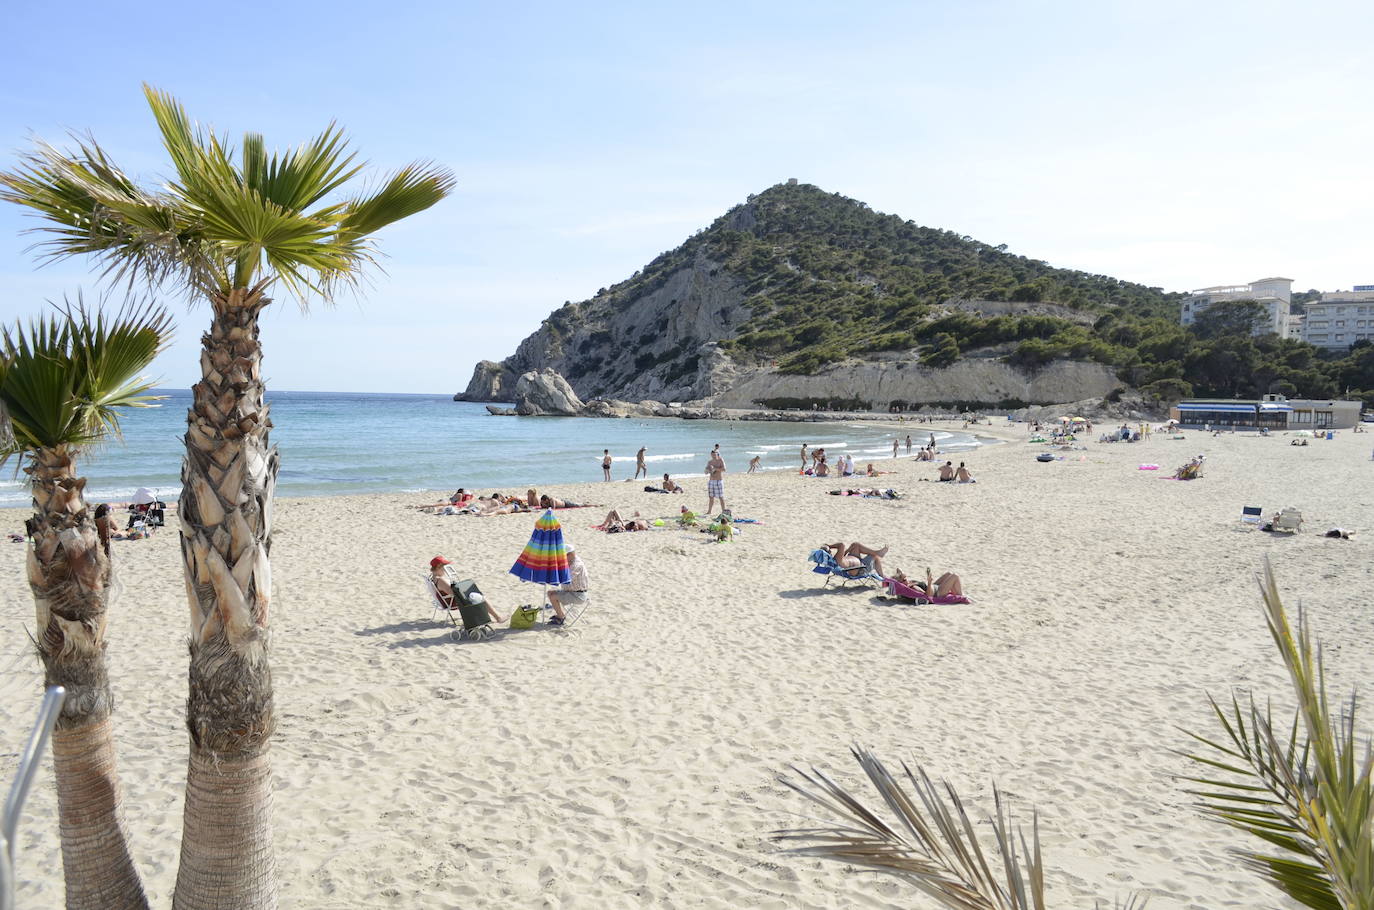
634,762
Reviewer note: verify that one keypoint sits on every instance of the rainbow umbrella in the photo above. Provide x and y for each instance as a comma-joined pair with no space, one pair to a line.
544,560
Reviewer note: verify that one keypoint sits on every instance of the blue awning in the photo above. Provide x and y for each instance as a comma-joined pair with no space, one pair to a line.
1274,406
1215,406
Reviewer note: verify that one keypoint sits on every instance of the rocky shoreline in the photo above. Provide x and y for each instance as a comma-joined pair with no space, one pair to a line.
545,393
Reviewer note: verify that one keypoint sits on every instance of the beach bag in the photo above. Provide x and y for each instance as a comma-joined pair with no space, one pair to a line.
524,617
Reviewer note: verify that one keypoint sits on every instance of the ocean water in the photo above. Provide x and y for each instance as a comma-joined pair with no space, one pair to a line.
335,443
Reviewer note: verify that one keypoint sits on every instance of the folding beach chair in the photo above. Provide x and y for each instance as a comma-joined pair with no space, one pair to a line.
833,571
1289,520
1252,516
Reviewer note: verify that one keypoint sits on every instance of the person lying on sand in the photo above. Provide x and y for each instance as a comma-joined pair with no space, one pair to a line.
946,584
549,502
439,574
850,556
614,523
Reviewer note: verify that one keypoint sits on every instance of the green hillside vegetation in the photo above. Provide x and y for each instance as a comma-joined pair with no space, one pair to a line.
827,278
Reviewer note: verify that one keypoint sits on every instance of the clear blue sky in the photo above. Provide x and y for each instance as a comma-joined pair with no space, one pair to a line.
1178,144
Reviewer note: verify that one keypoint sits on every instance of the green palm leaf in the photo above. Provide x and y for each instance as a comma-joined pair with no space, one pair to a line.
1308,792
65,378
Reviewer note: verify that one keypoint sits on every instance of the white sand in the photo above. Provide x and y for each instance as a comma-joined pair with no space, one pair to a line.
634,764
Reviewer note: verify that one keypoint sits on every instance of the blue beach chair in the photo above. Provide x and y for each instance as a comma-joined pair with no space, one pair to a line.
833,571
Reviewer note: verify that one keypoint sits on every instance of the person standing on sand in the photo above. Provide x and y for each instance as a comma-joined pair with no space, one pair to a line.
639,464
606,464
803,467
894,448
908,443
715,482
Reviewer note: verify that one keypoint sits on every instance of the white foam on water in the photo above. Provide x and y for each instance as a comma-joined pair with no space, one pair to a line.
680,456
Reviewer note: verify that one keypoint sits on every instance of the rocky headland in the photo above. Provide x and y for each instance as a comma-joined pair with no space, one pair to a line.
798,300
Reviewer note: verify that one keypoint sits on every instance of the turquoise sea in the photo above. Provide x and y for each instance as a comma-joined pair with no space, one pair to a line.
335,443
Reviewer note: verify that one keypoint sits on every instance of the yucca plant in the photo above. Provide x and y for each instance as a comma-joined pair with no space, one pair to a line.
64,381
229,227
1305,788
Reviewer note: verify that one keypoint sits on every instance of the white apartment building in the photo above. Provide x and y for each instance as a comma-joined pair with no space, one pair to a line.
1340,318
1274,294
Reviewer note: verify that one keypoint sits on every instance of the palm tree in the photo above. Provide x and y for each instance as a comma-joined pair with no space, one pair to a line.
229,227
63,383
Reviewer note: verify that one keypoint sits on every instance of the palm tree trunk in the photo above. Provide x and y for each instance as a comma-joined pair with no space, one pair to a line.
70,576
226,533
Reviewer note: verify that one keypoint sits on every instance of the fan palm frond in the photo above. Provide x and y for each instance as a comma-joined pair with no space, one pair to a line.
65,378
1308,792
933,846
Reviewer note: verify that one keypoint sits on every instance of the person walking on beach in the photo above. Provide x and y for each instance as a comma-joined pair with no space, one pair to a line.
754,463
715,481
606,464
639,464
803,467
894,448
908,443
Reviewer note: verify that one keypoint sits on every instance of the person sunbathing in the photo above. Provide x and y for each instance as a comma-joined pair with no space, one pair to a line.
962,475
671,486
550,502
850,556
947,471
822,469
614,523
947,585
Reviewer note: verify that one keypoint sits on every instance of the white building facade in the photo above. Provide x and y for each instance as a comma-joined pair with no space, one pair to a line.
1340,318
1274,294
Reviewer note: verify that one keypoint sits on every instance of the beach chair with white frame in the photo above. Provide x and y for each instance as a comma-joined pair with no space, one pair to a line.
1251,516
1289,520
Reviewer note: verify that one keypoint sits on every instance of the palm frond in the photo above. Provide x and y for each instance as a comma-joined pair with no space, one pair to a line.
66,377
412,189
1309,792
933,847
228,218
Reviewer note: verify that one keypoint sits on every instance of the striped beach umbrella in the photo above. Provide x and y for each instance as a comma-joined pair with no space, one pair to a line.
545,558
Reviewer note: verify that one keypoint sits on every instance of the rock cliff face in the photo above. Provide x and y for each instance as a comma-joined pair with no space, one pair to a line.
659,345
884,382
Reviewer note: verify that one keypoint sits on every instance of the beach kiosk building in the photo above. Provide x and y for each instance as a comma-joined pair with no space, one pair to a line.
1272,412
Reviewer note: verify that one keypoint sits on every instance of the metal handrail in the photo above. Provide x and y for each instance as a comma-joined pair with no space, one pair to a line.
29,760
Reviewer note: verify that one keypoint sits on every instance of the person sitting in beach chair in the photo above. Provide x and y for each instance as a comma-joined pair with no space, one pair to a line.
573,594
463,597
1190,471
846,563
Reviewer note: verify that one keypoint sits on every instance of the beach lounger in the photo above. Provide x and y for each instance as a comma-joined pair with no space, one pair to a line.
1252,515
833,571
916,595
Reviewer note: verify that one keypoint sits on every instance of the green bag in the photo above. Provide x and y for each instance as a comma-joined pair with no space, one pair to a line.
524,617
